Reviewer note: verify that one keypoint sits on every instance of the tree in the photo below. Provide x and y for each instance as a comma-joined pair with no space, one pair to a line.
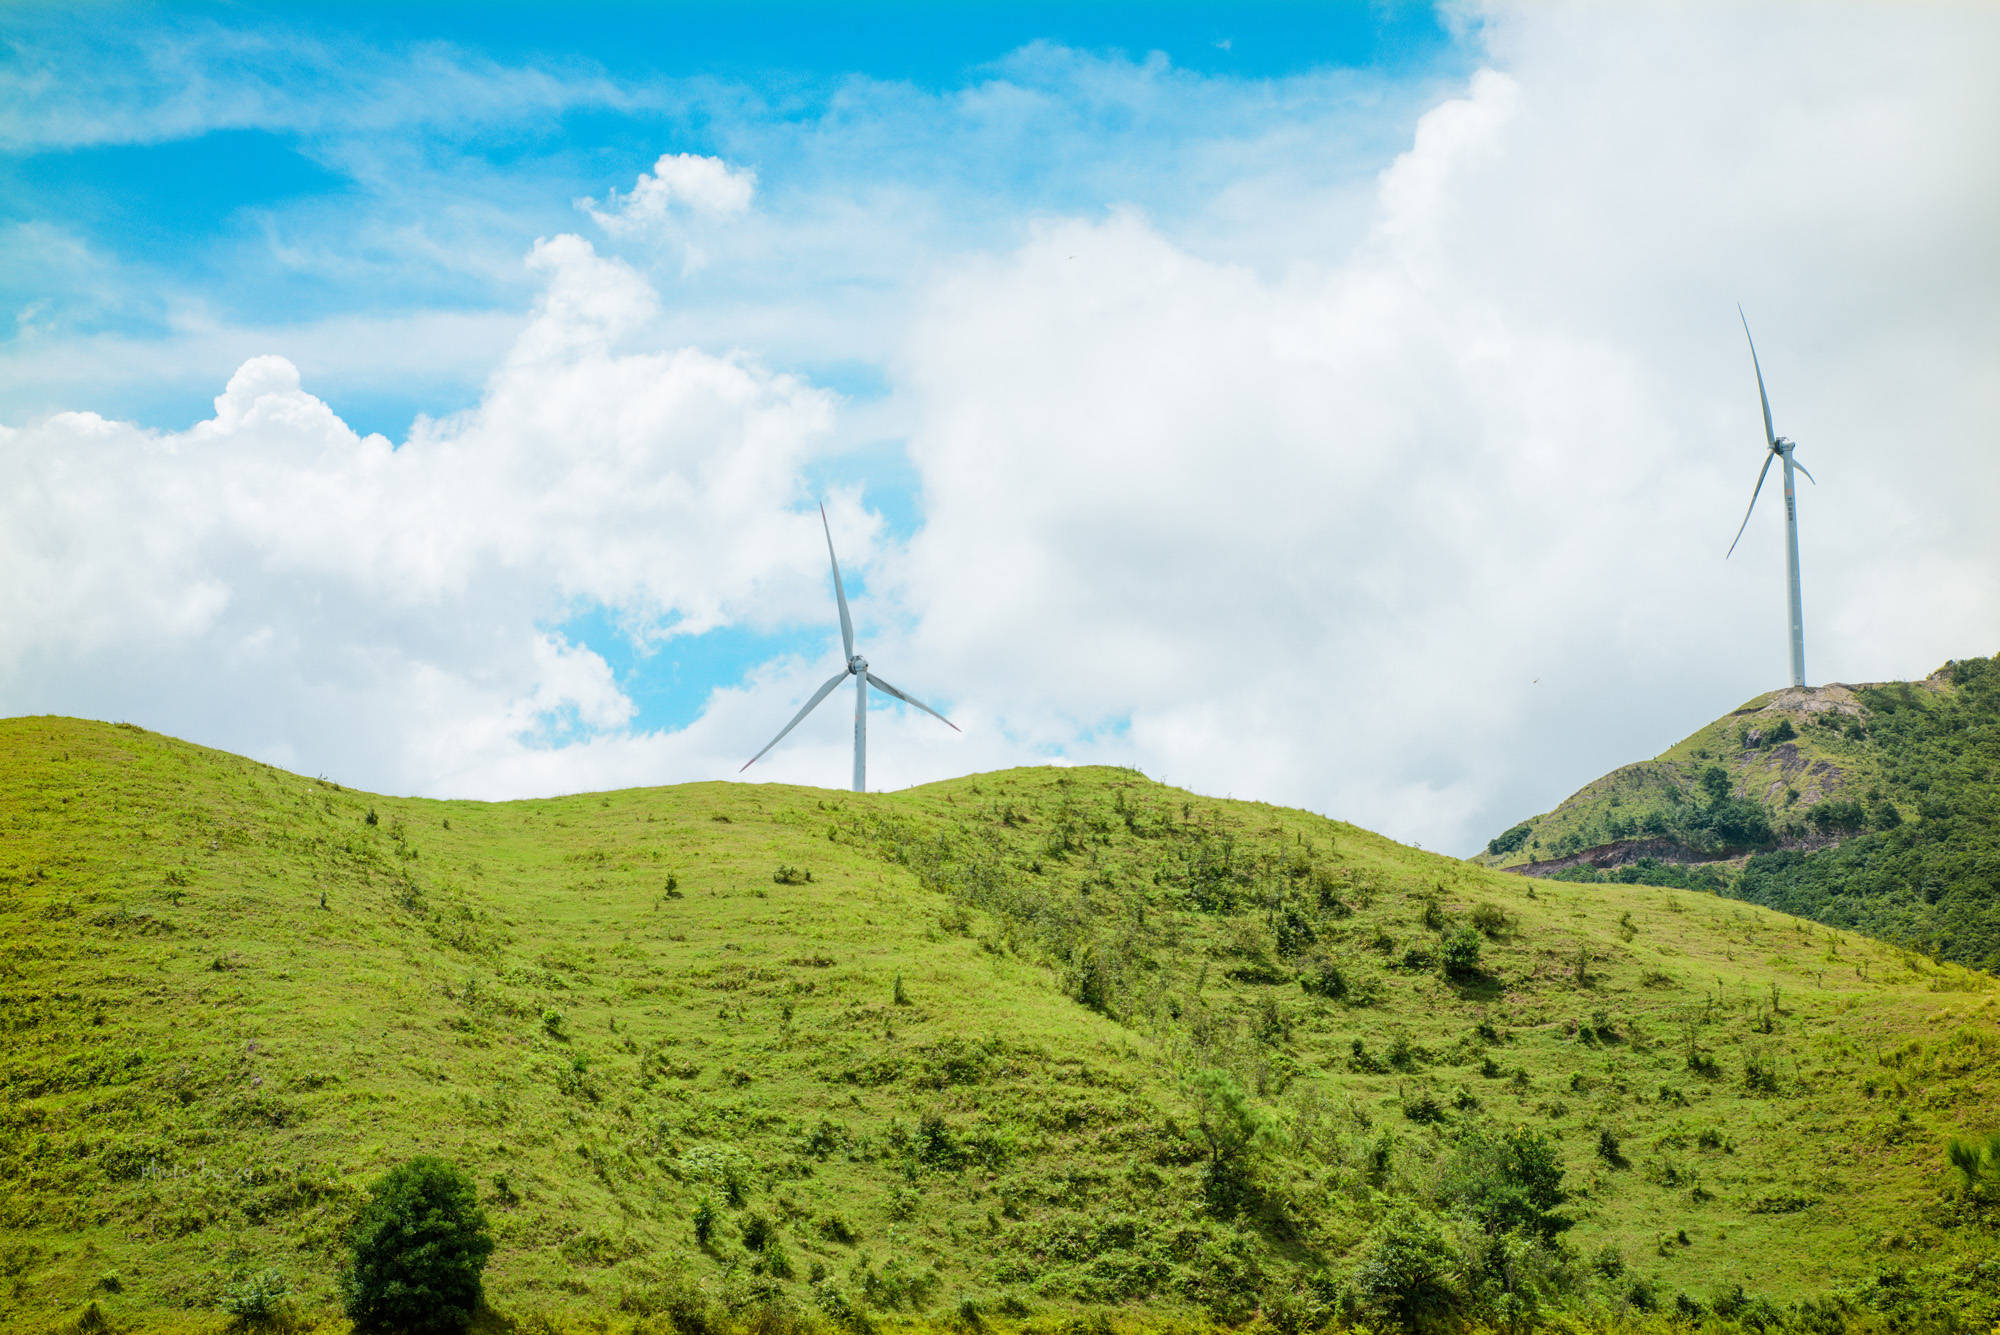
1715,782
1234,1129
1409,1271
1512,1183
419,1246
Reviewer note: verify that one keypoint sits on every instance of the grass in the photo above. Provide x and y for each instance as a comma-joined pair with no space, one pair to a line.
923,1049
1822,761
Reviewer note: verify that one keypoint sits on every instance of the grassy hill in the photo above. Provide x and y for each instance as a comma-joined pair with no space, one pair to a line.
998,1051
1875,807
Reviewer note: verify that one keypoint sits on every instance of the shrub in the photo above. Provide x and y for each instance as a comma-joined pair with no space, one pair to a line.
756,1232
262,1299
1508,842
900,997
1489,919
1609,1150
1977,1162
1234,1130
418,1247
1460,953
1423,1109
1409,1271
1510,1183
1324,979
704,1220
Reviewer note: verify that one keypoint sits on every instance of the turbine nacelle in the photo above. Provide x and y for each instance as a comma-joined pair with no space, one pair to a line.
857,666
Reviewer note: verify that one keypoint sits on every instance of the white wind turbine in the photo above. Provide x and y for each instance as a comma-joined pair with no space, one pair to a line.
1780,448
857,668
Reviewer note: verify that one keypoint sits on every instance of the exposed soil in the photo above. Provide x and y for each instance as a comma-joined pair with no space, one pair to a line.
1618,853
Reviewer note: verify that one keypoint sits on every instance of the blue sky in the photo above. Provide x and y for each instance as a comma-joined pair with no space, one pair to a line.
1224,390
221,211
324,132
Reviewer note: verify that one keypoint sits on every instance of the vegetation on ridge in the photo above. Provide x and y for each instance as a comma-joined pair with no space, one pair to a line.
1010,1050
1886,800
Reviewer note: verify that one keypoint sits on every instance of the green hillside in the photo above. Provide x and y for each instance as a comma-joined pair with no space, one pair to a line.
997,1052
1873,807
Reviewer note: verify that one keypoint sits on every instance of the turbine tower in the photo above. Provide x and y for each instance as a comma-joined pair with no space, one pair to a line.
1780,448
857,668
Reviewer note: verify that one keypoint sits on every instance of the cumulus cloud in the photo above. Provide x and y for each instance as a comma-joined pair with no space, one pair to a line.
1431,534
683,193
383,604
680,184
1401,495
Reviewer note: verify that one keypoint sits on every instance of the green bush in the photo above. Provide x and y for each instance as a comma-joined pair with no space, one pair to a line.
1460,953
1508,1183
1324,979
704,1220
1977,1162
1234,1130
418,1248
262,1299
1509,841
1409,1272
1423,1108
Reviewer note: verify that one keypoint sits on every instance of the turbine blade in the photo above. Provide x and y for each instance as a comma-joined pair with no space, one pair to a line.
1753,505
887,689
818,696
1770,435
846,622
1802,468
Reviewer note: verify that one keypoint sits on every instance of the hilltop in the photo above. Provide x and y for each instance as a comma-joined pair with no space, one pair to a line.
1875,807
993,1051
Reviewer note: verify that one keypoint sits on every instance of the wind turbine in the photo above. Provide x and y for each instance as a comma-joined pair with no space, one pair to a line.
1780,448
857,668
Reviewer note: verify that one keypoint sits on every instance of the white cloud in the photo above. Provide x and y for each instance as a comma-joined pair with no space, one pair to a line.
1428,536
1399,494
678,201
680,185
385,601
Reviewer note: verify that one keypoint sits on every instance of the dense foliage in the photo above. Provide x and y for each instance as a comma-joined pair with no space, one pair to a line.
1932,882
1649,871
419,1247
